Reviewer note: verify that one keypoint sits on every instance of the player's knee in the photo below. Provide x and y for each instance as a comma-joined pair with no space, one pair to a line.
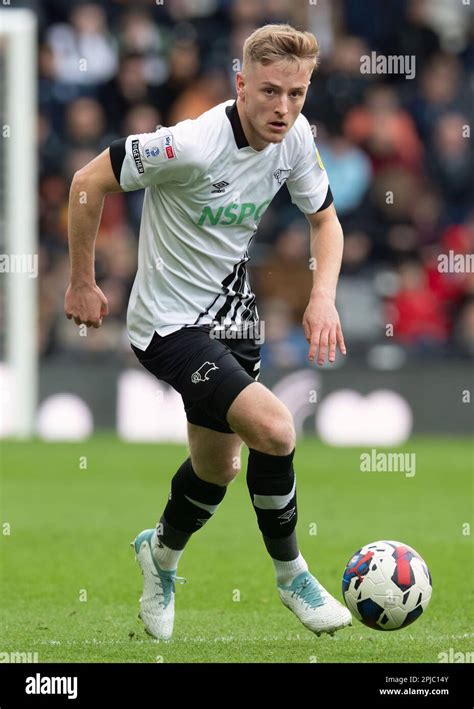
222,473
275,436
227,476
262,421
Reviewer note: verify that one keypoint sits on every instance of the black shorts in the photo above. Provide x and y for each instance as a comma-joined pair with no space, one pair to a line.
209,373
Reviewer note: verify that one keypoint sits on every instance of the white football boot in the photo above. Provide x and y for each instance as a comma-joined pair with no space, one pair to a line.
313,605
157,600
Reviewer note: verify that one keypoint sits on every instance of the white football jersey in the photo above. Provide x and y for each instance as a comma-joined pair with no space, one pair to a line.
206,191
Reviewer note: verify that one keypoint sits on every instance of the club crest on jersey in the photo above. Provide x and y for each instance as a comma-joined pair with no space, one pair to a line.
202,374
281,175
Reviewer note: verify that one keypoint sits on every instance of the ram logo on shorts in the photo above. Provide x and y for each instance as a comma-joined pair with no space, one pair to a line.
201,374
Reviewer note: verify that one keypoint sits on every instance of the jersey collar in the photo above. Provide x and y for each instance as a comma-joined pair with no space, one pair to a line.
238,131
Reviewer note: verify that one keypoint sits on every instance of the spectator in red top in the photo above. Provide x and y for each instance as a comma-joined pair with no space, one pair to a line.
418,317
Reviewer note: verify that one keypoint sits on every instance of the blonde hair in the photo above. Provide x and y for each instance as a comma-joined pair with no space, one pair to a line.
273,43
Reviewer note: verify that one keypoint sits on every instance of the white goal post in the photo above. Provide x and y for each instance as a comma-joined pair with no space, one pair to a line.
18,218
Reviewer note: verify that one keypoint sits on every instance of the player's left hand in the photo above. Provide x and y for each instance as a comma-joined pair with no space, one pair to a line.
322,328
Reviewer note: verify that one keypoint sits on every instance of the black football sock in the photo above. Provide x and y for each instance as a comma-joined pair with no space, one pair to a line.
191,503
271,482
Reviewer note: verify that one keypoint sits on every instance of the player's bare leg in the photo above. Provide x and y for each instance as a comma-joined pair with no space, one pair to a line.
215,456
266,426
196,491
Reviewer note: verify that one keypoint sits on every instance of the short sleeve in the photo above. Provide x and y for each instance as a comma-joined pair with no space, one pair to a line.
308,183
145,159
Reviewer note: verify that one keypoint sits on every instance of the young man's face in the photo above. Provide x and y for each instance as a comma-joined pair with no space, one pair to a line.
271,97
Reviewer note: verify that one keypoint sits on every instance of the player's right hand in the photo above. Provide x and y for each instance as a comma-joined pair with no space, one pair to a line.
86,304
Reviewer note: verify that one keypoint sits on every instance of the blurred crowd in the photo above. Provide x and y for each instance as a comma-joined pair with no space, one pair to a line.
397,152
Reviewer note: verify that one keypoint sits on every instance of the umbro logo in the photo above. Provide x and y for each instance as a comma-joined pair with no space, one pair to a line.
220,186
288,515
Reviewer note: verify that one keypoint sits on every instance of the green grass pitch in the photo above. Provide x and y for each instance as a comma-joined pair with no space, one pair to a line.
70,585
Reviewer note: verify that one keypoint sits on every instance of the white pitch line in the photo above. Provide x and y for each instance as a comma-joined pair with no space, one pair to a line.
231,638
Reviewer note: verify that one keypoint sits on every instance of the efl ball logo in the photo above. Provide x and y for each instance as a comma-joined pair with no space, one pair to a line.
152,152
